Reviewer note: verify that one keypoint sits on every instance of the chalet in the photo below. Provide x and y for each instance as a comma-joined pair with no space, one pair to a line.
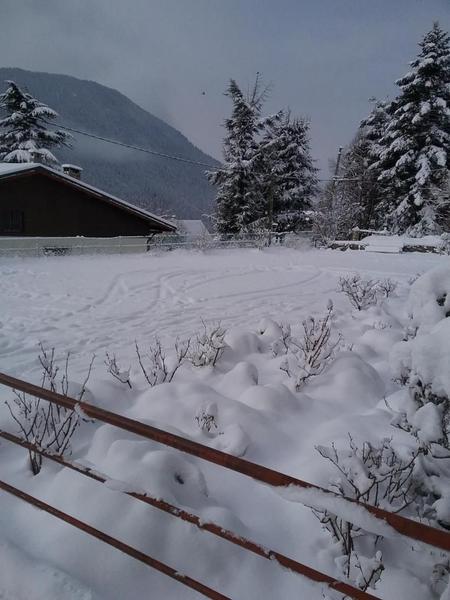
36,200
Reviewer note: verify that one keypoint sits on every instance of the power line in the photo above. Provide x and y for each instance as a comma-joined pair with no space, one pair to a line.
139,148
334,179
169,156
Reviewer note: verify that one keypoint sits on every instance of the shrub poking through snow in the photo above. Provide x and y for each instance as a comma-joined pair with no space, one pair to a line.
361,293
281,345
440,578
368,570
431,421
208,346
387,287
122,375
429,424
374,475
421,363
445,246
155,366
206,417
309,355
409,332
44,424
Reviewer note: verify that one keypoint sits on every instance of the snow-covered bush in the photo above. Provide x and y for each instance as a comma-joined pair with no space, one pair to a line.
42,423
155,365
440,578
122,375
445,243
373,474
421,363
208,346
206,417
370,474
308,355
361,293
429,298
387,287
281,345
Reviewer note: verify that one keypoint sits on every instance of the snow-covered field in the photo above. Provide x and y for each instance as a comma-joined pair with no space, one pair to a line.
94,305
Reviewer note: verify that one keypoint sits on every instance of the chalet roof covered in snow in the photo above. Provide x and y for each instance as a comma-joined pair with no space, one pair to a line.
9,170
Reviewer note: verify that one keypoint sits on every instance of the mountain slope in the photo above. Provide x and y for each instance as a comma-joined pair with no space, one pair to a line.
159,184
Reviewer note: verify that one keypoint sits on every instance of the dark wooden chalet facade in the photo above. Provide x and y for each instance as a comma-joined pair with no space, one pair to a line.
36,200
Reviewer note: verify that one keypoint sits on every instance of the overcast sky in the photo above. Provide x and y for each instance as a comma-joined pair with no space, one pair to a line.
324,58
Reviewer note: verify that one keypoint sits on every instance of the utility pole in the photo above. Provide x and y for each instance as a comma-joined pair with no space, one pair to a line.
270,214
336,173
333,183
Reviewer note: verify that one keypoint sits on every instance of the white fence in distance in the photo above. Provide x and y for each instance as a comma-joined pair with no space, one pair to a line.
63,246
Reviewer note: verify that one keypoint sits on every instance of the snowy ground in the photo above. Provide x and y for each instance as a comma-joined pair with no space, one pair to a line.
90,305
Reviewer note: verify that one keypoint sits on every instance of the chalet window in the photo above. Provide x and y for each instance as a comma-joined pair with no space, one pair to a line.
11,221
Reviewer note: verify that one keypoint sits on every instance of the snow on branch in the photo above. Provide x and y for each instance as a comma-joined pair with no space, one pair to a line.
122,375
42,423
208,346
155,366
369,474
309,355
361,293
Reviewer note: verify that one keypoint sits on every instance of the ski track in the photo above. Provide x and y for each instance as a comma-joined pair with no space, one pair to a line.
93,304
98,304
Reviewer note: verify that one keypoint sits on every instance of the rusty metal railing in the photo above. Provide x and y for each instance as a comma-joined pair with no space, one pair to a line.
216,530
413,529
402,525
111,541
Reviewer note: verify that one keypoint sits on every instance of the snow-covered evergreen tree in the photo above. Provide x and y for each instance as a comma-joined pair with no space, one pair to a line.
414,154
24,132
358,184
375,125
239,194
358,187
335,215
348,200
287,170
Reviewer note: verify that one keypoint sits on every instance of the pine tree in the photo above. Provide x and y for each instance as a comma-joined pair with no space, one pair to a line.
359,187
239,197
24,136
288,173
374,192
351,197
414,160
338,211
375,125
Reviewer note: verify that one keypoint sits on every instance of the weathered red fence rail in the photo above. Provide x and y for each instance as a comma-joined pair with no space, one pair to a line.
407,527
404,526
111,541
217,530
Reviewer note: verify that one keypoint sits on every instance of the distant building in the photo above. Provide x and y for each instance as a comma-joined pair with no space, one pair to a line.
192,228
36,200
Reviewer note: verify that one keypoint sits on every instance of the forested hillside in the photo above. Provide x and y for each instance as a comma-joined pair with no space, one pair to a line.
161,185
